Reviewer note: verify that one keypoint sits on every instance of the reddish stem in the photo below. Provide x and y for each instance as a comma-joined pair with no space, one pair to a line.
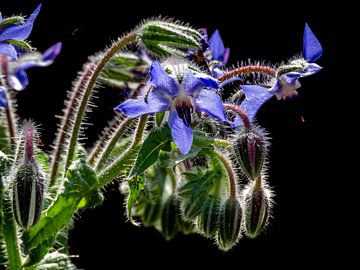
241,113
245,70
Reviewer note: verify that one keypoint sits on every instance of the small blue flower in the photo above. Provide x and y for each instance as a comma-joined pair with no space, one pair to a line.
219,54
287,83
3,102
180,95
16,32
18,79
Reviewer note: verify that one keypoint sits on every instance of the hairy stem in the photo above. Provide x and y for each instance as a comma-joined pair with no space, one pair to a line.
72,125
241,113
10,236
115,136
246,70
113,171
230,173
9,110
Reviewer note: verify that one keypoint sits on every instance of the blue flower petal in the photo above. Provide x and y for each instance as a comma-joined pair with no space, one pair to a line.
50,54
310,69
312,49
291,77
217,47
3,102
182,134
226,55
255,97
18,80
20,32
210,102
194,81
8,49
161,80
156,102
1,18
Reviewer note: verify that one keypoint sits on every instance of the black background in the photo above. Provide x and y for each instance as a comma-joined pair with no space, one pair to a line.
303,218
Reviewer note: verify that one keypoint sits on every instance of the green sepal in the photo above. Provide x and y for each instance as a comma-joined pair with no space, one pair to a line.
12,20
136,184
22,44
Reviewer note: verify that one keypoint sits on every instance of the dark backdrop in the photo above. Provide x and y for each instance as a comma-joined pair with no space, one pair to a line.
299,230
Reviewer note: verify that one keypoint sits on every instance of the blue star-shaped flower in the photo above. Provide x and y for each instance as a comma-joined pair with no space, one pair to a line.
15,32
18,79
286,84
181,98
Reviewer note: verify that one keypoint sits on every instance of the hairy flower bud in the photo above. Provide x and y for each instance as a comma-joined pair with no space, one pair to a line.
250,150
170,217
168,38
229,224
208,220
28,185
151,213
257,208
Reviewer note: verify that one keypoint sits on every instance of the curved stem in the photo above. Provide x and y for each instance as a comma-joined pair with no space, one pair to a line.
10,236
230,173
241,113
115,136
116,167
74,122
246,70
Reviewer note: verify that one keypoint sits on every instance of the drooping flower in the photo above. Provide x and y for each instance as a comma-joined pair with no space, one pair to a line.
17,78
11,33
181,91
287,81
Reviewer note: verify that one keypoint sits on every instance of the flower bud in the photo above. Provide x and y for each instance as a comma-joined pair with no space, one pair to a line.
257,208
229,224
170,217
151,213
28,185
168,38
250,150
208,221
28,195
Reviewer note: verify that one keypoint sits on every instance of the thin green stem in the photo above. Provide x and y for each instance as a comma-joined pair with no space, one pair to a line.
229,171
114,138
74,116
115,168
9,109
10,236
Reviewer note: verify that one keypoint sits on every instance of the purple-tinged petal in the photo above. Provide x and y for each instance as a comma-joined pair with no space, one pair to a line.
310,69
194,81
3,102
161,80
216,71
255,97
226,56
312,49
156,102
210,102
20,32
50,54
8,49
1,18
182,134
18,80
291,77
230,80
217,47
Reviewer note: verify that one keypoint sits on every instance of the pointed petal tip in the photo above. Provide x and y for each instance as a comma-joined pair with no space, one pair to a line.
312,49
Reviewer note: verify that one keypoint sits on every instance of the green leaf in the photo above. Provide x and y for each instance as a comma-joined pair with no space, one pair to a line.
39,239
19,43
136,184
12,20
159,139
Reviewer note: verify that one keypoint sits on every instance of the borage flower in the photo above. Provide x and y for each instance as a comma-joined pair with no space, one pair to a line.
180,92
12,33
287,81
17,78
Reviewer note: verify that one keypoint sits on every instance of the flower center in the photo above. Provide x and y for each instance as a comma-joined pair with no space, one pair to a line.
184,108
